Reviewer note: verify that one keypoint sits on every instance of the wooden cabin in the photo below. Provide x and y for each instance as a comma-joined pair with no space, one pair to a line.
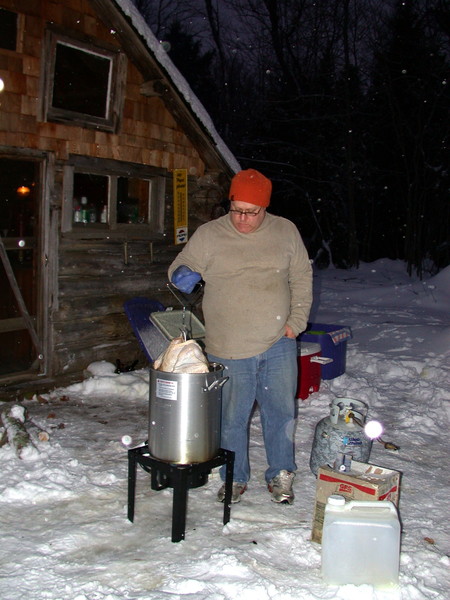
96,125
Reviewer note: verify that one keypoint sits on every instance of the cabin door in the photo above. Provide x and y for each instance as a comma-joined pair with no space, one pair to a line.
21,352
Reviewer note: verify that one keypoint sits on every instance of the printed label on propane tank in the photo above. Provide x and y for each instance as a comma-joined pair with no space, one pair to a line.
351,441
166,389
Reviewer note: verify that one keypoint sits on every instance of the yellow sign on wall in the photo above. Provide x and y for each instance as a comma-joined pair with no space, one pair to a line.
180,205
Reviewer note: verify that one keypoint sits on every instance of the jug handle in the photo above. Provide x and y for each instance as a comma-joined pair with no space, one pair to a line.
386,504
218,383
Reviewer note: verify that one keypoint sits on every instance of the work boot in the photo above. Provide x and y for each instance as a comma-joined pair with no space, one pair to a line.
237,490
281,487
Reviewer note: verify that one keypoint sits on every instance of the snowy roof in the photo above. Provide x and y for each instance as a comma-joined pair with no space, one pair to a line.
173,74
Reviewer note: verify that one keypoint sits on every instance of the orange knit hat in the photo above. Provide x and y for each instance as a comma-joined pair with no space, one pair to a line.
251,186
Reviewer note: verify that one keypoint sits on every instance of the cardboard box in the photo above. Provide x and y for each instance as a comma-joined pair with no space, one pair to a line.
362,482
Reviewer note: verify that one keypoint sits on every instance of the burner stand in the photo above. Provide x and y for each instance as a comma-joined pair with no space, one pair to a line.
180,478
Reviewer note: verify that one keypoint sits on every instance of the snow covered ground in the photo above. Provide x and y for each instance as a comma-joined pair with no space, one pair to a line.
63,528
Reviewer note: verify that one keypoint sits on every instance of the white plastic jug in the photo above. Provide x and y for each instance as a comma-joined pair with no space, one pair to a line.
360,542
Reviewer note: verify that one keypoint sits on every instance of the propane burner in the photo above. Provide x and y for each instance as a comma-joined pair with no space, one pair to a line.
179,477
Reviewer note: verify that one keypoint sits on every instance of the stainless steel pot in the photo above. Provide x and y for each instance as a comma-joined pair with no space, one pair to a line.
185,415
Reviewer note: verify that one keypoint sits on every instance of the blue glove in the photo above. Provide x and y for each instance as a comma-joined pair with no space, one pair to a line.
185,279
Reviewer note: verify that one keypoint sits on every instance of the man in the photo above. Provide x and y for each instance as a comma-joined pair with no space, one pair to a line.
257,298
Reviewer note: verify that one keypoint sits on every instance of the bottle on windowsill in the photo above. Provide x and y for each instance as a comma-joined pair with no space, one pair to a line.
92,214
84,210
77,213
104,214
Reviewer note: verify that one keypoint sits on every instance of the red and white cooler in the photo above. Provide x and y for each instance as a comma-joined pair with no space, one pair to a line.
309,368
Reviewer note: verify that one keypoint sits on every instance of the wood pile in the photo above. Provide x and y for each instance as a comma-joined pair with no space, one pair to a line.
14,430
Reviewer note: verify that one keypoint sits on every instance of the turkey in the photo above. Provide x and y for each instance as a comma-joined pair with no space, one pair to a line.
182,357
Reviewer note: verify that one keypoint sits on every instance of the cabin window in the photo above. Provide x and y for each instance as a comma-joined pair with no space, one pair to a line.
112,196
95,195
90,198
8,29
133,200
81,85
81,81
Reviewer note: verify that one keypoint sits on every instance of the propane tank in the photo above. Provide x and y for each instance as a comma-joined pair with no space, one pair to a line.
340,438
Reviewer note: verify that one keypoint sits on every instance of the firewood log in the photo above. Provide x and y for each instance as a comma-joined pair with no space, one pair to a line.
3,437
14,422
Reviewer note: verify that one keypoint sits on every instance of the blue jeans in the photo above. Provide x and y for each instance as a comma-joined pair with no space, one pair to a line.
269,378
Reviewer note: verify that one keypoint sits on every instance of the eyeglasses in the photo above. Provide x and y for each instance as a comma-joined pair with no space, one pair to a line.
245,213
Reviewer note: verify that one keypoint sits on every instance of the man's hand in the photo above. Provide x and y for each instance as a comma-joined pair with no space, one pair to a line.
288,332
185,279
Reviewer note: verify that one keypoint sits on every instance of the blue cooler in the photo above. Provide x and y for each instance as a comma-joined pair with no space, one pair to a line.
333,342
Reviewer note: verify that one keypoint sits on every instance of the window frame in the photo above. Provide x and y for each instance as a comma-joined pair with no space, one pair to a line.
113,170
115,92
17,23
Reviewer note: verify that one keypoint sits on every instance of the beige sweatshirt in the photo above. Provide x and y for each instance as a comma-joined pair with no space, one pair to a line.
255,283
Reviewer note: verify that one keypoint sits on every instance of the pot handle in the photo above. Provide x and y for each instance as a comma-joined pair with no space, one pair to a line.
217,383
